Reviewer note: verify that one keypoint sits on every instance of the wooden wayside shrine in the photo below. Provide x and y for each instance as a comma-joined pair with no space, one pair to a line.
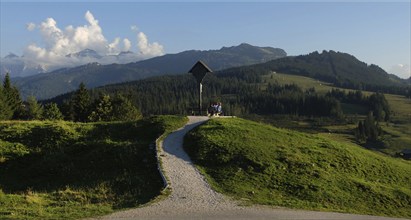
199,71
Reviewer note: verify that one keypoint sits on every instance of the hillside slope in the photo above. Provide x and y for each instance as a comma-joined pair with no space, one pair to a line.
51,84
339,68
267,165
63,170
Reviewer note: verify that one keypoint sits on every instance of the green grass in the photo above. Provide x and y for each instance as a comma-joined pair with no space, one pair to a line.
301,81
63,170
267,165
397,134
396,137
400,105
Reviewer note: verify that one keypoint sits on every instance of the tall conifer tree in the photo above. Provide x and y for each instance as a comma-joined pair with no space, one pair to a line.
12,98
34,109
81,103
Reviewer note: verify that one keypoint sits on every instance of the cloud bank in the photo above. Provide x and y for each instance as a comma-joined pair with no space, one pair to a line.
60,46
401,70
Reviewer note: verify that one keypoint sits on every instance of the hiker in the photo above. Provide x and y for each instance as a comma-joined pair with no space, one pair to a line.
215,108
219,108
211,110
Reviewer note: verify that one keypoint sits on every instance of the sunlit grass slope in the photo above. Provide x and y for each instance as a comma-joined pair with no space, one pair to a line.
63,170
267,165
397,134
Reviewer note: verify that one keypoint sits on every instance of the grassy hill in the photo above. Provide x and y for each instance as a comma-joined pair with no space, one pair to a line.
267,165
63,170
397,133
339,68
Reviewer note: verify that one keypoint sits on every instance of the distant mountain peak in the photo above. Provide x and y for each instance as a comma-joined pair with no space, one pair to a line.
87,50
245,45
11,56
86,53
125,53
254,50
242,45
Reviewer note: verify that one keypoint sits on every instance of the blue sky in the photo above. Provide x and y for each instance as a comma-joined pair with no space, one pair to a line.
374,32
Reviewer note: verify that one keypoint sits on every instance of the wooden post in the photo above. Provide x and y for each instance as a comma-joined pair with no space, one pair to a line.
199,71
200,99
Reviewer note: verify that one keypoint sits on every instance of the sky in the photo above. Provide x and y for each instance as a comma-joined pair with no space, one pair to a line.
374,32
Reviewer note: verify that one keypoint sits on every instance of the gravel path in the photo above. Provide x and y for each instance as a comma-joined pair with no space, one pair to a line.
192,197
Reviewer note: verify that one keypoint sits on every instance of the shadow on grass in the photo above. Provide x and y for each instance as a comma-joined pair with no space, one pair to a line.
116,155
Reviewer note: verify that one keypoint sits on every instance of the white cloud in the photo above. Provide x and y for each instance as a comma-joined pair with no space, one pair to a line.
30,26
401,70
127,44
90,18
58,43
113,47
134,28
148,49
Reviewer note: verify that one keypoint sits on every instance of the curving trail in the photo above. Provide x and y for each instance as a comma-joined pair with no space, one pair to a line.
192,197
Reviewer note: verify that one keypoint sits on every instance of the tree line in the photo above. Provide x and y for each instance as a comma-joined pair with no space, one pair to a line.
375,103
79,107
239,94
241,91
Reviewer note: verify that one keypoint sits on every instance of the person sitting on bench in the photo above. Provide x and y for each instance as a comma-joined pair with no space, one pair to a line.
219,108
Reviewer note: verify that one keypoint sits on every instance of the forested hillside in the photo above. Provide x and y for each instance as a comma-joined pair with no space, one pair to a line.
260,95
48,85
242,92
341,69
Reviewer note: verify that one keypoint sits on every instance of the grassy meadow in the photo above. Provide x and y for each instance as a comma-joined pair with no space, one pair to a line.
65,170
262,164
397,133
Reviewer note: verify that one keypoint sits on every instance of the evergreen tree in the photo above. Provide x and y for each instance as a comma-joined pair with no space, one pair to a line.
81,103
67,110
102,110
371,128
34,109
52,112
6,112
124,110
368,122
12,96
360,131
6,82
379,105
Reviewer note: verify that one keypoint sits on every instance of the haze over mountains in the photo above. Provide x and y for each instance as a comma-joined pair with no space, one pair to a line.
17,67
47,85
21,67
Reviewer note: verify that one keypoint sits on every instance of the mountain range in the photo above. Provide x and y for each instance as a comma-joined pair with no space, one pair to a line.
341,69
47,85
18,66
